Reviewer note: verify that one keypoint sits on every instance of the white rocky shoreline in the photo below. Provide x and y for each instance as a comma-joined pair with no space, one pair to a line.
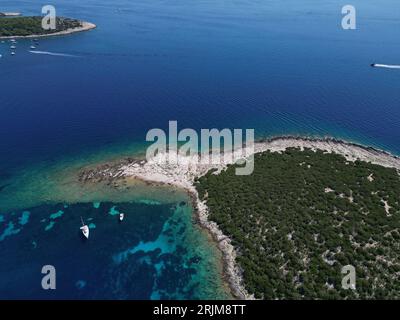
183,175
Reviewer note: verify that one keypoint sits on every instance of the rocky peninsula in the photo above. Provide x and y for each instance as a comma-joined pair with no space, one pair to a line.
184,172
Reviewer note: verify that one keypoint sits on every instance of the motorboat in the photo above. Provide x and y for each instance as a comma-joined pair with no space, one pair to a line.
85,229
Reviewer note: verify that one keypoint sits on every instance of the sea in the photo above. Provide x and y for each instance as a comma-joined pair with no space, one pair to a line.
281,67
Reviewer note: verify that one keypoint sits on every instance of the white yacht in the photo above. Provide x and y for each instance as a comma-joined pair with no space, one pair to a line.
12,53
121,216
85,229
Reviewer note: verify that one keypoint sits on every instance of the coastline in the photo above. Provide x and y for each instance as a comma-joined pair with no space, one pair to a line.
158,170
86,26
10,14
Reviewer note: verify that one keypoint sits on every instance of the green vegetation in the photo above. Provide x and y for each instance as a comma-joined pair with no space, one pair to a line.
24,26
301,216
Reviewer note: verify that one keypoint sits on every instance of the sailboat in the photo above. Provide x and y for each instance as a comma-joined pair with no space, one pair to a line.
85,229
121,216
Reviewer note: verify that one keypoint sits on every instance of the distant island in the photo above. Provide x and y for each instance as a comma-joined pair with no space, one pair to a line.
310,207
30,27
9,14
305,214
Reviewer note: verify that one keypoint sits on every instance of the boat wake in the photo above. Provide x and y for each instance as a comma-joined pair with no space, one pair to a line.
387,66
54,54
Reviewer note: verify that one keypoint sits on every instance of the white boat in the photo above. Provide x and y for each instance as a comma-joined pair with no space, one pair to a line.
13,53
33,47
121,216
13,47
85,229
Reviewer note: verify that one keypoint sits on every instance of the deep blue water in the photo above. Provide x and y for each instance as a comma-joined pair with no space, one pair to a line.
281,67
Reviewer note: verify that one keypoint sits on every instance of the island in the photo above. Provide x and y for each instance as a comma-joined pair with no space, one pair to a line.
31,27
311,207
302,216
